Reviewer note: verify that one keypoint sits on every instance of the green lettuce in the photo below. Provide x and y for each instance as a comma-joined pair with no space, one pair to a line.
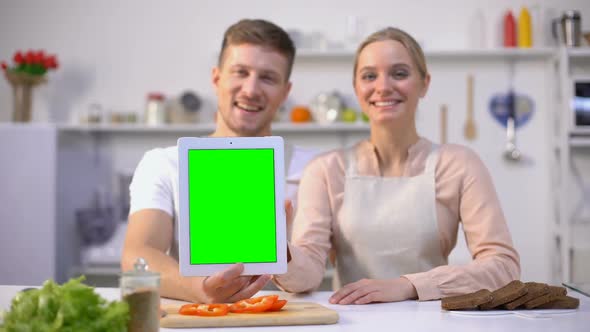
70,307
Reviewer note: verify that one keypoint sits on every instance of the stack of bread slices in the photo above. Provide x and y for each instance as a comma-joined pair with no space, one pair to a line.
514,296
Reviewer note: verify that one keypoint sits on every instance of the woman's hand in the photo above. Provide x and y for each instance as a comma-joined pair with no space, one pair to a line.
375,290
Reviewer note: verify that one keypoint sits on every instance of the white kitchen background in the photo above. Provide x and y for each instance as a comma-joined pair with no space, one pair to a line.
115,52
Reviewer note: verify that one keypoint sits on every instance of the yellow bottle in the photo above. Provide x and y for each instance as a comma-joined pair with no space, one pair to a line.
525,34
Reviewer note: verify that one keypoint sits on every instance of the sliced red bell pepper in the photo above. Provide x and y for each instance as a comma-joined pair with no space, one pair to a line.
278,305
253,305
215,309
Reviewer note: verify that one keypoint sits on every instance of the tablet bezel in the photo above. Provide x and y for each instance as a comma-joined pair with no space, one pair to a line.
188,143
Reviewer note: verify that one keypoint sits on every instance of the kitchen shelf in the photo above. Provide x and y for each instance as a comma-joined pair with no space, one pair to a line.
488,54
579,137
465,54
135,128
579,52
580,142
571,233
580,131
206,128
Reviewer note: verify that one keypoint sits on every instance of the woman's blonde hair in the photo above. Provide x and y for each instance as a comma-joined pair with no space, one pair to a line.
400,36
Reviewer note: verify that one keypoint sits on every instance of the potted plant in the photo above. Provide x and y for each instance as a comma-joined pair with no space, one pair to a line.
28,70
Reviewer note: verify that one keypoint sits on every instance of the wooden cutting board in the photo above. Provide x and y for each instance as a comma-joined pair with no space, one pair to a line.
294,313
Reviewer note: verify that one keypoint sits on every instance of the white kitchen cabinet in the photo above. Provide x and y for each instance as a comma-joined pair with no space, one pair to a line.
571,172
46,174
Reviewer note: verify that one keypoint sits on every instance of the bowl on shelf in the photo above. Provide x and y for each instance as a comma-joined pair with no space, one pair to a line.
587,37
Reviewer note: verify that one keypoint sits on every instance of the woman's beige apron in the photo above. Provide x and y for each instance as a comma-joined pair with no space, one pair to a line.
388,225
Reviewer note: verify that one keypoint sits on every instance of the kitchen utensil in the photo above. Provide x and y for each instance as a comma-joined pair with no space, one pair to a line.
184,108
567,28
525,108
583,288
443,124
470,129
96,224
294,313
511,152
326,107
190,101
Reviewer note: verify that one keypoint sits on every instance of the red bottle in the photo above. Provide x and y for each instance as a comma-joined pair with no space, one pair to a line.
509,30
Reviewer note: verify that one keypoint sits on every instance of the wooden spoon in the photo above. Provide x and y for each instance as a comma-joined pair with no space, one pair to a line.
470,130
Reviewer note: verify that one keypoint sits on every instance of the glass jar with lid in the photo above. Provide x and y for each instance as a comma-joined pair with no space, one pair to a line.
140,288
155,109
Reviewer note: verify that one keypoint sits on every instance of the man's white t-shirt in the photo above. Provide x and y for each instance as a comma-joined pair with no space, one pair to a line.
155,182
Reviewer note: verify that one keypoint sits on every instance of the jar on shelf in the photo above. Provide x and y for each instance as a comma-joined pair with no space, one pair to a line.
140,288
92,115
155,109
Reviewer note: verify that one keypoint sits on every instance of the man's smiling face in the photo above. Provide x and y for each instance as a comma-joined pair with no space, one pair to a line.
251,84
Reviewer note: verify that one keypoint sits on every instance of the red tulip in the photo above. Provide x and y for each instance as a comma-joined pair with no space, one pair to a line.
29,57
38,57
35,62
19,58
50,62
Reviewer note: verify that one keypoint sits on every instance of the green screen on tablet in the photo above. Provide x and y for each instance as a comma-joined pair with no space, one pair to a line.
231,198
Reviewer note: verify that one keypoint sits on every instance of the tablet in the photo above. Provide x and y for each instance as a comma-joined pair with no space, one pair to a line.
231,205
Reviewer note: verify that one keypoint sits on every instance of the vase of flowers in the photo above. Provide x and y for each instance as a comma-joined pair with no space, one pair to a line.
28,70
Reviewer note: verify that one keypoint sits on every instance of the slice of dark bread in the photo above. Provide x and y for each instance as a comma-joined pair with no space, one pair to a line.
508,293
466,301
561,302
534,290
554,292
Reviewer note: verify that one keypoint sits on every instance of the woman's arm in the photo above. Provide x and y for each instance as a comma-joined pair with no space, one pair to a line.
495,261
312,231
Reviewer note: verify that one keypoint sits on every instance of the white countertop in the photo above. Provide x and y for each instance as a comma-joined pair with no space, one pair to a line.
399,316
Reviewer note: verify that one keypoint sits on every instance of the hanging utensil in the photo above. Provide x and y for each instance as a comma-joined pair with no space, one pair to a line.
327,107
443,123
511,153
470,129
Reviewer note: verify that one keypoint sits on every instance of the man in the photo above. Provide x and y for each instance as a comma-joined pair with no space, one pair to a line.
251,81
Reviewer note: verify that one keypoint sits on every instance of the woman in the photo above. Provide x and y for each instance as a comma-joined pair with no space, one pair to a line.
390,206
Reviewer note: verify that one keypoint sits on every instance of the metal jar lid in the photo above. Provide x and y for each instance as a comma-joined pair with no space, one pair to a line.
140,269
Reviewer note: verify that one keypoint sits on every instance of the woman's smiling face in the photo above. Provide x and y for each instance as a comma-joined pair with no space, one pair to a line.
387,83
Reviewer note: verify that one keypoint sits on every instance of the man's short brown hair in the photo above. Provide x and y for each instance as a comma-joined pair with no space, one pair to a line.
262,33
